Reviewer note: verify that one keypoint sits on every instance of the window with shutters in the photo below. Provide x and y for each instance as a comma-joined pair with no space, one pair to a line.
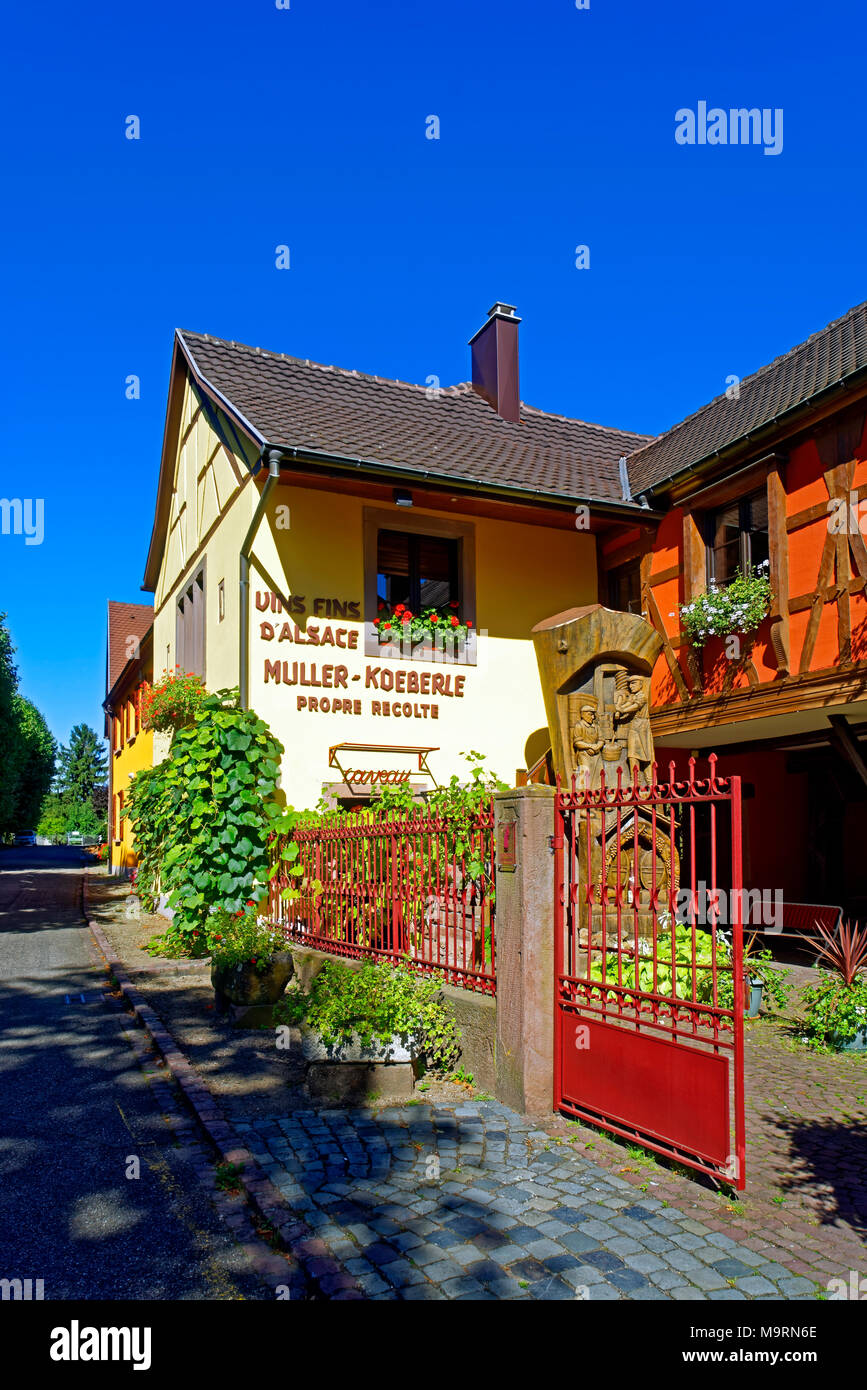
190,626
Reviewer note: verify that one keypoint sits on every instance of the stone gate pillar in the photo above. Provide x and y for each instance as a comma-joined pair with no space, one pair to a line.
524,820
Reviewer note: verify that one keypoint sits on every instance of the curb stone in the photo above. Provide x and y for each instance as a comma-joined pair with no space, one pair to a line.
305,1265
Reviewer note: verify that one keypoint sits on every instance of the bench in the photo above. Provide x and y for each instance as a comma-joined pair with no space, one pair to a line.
799,919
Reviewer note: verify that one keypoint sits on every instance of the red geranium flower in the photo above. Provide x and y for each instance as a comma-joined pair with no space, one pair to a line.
434,618
399,607
469,624
386,627
406,617
379,607
454,621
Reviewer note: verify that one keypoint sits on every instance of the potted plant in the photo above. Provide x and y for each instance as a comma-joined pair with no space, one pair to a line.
738,607
761,977
836,1007
173,701
396,624
369,1017
249,966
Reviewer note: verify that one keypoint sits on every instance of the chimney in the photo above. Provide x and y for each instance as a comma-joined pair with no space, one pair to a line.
495,361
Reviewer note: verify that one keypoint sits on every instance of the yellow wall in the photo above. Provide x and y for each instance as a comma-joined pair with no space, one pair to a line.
212,506
134,755
522,575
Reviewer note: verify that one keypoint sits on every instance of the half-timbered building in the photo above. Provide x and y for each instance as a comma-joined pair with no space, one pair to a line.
298,502
773,471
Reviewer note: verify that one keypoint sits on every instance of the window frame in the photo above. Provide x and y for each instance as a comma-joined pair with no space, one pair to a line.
376,519
745,532
611,577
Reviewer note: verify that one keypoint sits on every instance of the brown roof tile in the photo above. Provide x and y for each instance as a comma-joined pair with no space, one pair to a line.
823,360
125,620
301,404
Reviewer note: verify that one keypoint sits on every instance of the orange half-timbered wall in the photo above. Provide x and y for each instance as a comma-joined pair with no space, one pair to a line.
818,619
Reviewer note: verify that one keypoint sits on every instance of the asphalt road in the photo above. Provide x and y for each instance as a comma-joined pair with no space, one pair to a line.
75,1107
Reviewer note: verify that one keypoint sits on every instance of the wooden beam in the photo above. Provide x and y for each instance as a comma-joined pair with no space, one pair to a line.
842,568
732,486
664,576
694,559
655,619
778,542
843,740
818,602
828,595
818,690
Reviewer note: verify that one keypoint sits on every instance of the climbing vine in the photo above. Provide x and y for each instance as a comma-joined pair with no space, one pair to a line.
202,818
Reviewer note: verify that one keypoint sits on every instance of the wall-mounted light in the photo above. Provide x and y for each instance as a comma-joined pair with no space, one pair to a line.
402,497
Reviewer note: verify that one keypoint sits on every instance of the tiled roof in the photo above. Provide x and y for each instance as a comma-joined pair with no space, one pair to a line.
826,358
295,403
125,620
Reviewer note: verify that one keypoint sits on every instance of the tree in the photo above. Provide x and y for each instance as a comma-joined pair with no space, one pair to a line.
82,766
36,754
27,749
54,821
8,730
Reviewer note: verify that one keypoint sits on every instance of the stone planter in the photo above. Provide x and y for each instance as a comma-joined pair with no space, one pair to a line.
248,994
351,1070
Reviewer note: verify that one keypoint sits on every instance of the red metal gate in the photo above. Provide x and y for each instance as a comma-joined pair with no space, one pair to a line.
649,1004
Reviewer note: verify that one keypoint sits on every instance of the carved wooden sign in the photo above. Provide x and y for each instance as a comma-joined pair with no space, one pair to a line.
595,666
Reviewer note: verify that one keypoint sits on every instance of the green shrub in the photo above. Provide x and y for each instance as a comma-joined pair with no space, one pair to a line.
235,938
739,606
759,965
175,943
637,972
203,817
835,1010
376,1001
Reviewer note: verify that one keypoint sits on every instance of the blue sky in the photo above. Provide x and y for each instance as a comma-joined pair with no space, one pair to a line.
306,127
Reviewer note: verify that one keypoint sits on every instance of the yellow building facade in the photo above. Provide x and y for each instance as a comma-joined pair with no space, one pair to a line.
131,745
279,559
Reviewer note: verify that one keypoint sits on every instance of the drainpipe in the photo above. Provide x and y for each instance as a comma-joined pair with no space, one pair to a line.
274,456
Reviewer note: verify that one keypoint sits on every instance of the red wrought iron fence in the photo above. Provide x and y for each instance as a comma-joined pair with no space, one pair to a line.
649,965
417,887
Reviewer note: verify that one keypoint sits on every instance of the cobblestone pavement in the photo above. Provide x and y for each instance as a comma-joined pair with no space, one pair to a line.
429,1201
804,1211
